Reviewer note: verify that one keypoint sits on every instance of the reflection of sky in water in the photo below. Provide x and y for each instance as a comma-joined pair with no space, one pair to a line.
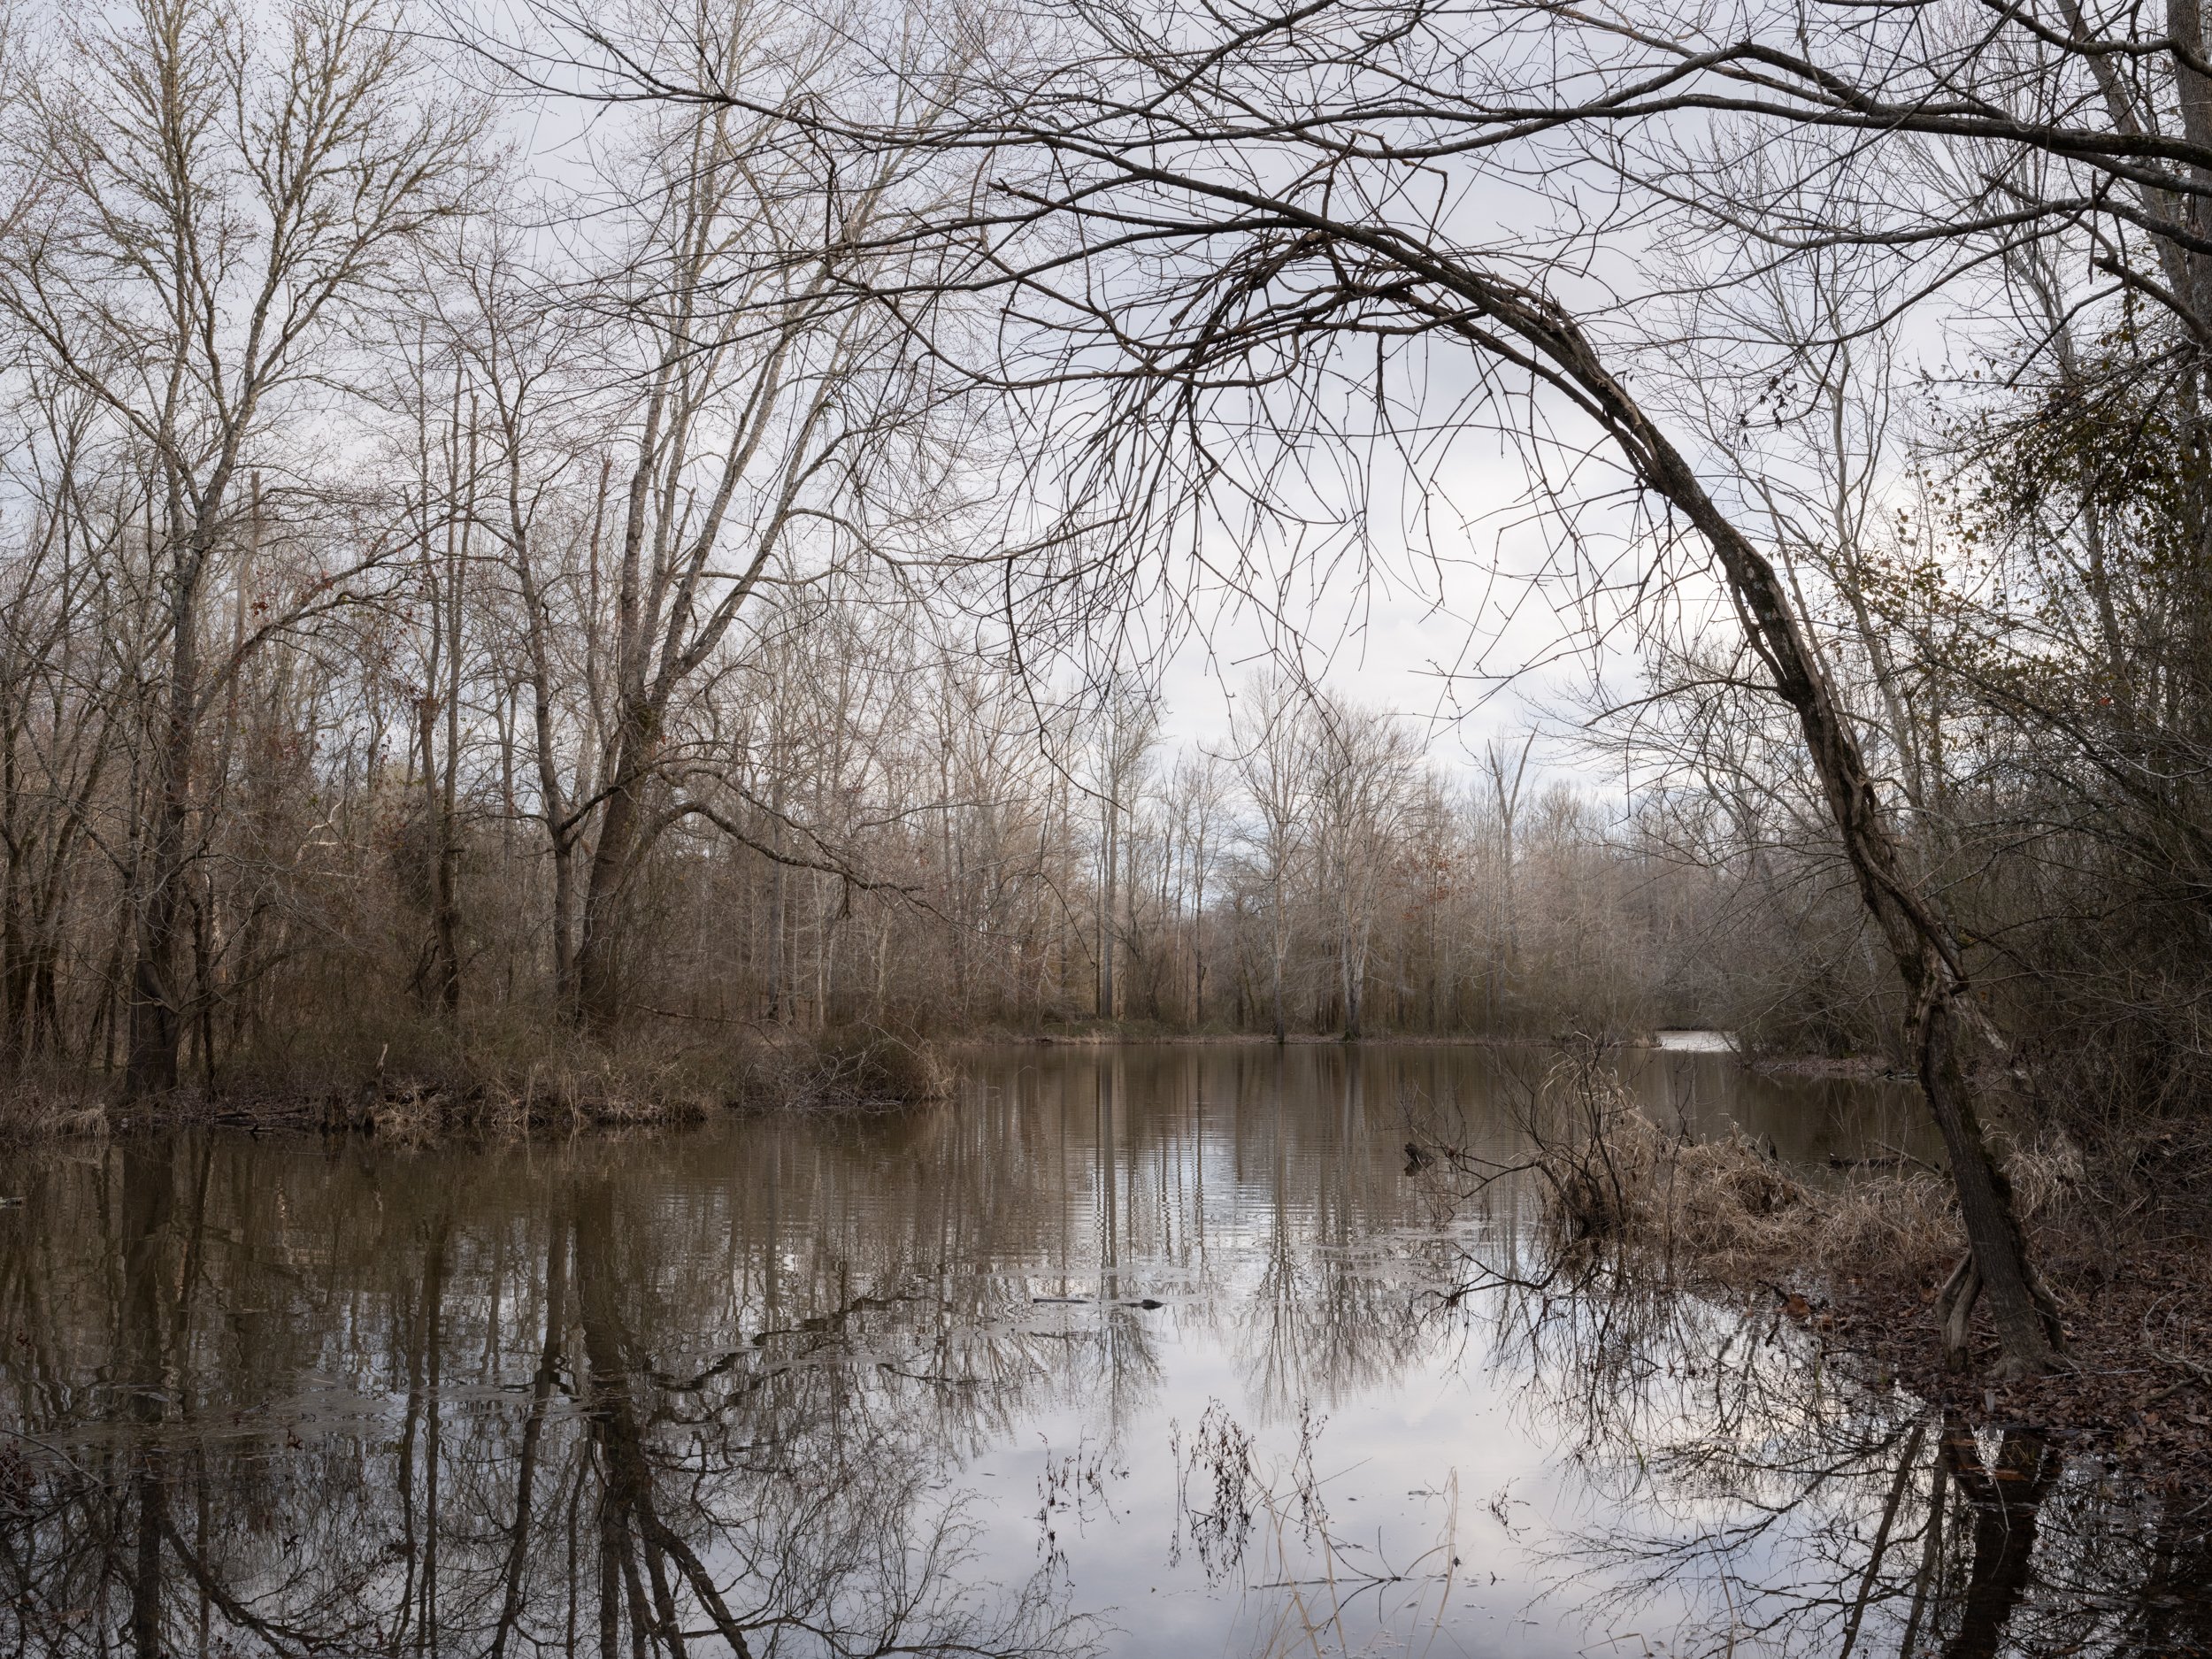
833,1333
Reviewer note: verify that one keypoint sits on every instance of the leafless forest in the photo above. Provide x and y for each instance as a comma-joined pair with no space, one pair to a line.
641,527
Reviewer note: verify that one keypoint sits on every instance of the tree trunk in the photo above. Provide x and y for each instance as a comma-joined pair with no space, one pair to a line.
15,977
1514,324
1198,957
1920,935
621,831
438,980
445,895
1281,1031
1350,998
1912,922
1107,867
565,997
778,905
622,843
598,953
157,1025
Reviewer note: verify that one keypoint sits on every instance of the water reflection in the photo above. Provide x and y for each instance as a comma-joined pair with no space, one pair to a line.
399,1431
1138,1349
1764,1503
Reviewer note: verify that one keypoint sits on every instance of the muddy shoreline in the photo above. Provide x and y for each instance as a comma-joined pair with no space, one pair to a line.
2134,1392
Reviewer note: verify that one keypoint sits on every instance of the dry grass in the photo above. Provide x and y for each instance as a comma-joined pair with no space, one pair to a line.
853,1068
850,1068
641,1082
41,1105
1616,1189
1616,1186
1726,1211
501,1079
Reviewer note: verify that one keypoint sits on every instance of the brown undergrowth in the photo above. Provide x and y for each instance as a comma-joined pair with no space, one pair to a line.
1856,1257
483,1091
37,1104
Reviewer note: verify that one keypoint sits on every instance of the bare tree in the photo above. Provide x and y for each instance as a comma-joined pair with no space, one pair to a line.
1197,804
212,215
1267,728
776,408
1128,728
1362,772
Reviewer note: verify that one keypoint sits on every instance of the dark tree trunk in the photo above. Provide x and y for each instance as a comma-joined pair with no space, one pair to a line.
439,979
1352,990
157,990
1921,944
2006,1498
599,965
564,993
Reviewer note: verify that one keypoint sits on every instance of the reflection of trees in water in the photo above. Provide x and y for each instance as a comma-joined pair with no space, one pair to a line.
1327,1316
776,1498
1806,1513
299,1396
142,1535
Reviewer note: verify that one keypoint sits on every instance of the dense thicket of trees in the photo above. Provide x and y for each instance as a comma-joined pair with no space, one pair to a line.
887,832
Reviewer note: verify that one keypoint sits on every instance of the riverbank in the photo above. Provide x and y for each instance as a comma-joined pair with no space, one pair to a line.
513,1081
573,1085
1854,1256
2140,1387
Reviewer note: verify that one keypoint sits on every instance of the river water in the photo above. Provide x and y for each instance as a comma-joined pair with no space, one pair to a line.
1140,1351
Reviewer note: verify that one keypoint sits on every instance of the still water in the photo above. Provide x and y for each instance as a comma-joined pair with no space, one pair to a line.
1135,1351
